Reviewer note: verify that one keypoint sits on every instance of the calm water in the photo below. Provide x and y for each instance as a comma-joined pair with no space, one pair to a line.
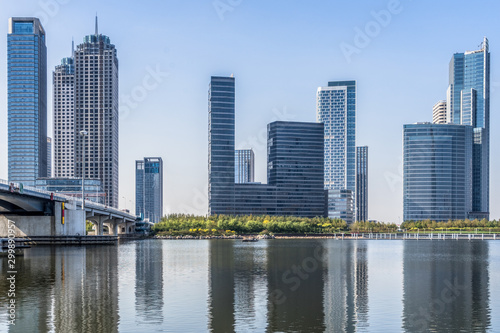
268,286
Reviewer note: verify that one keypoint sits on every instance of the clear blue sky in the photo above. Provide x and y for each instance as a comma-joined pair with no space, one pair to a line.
280,52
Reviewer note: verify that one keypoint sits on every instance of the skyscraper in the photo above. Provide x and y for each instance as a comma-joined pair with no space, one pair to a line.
439,113
437,171
64,118
362,183
96,112
221,145
469,104
295,166
49,157
27,100
336,109
149,188
244,160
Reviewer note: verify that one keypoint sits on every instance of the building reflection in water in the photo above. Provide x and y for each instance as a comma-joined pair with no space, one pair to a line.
149,282
446,286
346,286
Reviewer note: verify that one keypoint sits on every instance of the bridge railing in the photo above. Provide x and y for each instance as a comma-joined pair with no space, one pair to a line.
65,197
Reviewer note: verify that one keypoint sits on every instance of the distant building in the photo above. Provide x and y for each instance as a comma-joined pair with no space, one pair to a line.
362,183
336,109
469,104
437,171
221,145
96,112
244,160
149,188
26,100
73,187
295,167
439,113
63,79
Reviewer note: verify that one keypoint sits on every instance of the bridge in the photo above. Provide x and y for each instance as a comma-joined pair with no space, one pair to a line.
35,212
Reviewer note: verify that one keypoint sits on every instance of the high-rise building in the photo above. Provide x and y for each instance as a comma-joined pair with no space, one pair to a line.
149,188
27,100
295,166
469,104
221,145
49,157
437,171
439,113
64,118
244,161
362,183
96,112
336,109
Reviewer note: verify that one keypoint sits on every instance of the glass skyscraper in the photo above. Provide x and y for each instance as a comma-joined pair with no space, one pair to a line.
295,166
437,171
244,161
336,109
362,183
469,104
149,188
221,145
27,100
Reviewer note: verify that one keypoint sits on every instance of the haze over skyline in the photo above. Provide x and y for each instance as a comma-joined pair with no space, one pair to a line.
280,53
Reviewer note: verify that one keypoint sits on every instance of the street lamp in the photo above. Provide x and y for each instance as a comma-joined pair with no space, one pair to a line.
83,134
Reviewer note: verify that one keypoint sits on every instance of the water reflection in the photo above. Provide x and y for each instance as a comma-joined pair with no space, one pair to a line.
268,286
446,286
149,282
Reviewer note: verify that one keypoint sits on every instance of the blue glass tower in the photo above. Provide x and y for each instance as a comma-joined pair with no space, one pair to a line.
336,109
469,104
437,171
27,100
149,188
221,128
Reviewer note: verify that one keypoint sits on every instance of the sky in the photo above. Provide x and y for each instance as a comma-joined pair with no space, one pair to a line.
280,52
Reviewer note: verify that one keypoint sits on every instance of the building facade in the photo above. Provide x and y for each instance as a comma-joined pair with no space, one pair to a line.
96,112
27,100
437,171
295,166
362,183
49,157
63,81
439,113
469,104
336,109
149,188
221,129
244,161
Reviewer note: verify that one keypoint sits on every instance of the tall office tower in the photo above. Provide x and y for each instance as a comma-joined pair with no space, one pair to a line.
63,80
336,109
439,113
221,145
362,183
296,168
244,161
149,188
96,112
469,104
27,100
49,157
437,171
